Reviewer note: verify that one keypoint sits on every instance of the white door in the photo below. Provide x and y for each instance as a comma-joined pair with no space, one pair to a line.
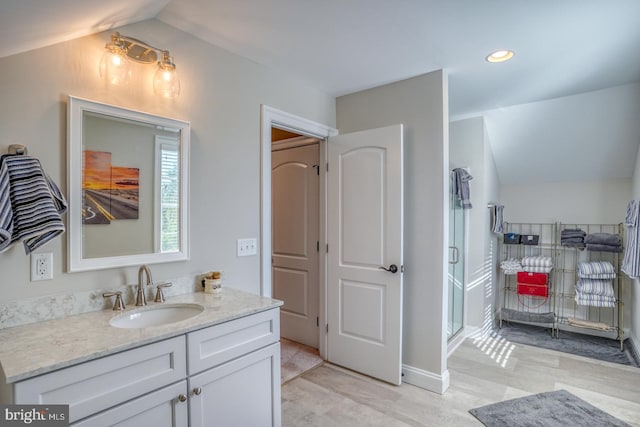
364,221
295,263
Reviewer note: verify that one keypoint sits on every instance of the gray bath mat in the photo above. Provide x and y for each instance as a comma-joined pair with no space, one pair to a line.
553,409
569,342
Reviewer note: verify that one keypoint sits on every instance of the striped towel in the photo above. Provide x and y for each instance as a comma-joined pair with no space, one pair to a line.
595,287
497,219
537,261
531,269
631,261
6,214
595,300
462,190
537,264
596,270
30,204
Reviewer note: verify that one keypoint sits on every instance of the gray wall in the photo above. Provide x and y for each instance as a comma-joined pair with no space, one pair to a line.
221,97
420,103
588,136
571,202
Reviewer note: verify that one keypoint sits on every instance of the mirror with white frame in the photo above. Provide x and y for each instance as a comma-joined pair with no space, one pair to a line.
128,187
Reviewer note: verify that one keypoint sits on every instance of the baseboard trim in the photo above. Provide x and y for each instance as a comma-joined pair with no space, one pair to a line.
474,332
425,379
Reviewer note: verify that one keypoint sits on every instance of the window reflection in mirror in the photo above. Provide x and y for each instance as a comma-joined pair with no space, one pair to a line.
167,185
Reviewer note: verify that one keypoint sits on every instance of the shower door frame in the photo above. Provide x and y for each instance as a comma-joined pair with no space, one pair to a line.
455,205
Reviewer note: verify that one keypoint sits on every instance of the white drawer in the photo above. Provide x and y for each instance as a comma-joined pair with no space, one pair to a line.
93,386
160,408
220,343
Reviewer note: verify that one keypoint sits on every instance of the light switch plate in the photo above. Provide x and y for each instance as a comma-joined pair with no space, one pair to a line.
247,247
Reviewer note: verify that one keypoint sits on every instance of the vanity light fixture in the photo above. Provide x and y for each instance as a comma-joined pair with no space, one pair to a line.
500,56
115,67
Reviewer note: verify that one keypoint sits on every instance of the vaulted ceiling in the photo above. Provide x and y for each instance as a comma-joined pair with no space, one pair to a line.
562,48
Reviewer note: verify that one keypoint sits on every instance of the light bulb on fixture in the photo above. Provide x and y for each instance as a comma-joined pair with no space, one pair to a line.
165,80
114,66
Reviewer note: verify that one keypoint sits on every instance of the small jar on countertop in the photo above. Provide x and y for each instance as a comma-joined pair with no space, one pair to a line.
212,282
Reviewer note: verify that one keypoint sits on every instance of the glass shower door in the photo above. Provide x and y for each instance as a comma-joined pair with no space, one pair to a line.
456,264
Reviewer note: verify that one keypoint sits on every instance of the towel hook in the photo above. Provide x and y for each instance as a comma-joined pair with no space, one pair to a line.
18,149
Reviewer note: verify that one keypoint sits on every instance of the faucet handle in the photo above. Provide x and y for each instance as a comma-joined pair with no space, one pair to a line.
160,294
118,304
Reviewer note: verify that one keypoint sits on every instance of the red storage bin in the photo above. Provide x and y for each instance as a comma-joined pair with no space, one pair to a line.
532,278
534,290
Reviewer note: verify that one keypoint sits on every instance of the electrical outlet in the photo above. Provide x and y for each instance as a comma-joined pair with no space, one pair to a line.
247,247
42,266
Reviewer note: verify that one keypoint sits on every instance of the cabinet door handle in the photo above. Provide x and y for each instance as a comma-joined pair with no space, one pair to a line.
197,391
182,398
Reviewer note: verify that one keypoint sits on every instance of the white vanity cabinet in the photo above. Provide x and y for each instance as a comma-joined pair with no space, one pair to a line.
234,373
227,374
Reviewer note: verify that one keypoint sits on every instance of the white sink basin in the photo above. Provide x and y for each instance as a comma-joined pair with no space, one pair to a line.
156,315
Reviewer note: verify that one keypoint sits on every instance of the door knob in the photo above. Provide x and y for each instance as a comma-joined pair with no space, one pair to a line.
392,268
197,391
182,398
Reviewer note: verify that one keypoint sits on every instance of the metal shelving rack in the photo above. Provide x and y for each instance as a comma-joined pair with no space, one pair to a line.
561,305
567,277
523,308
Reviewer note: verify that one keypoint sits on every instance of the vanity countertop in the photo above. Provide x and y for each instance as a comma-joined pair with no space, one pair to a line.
38,348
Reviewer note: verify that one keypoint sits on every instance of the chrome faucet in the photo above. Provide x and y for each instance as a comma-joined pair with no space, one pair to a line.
140,294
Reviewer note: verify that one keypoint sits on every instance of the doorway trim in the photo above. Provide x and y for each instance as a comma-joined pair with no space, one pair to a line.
271,117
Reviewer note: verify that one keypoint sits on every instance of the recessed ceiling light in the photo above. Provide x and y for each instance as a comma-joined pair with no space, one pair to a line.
500,56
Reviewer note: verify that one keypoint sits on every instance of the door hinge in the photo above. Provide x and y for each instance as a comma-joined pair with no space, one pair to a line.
327,328
327,166
317,168
317,246
327,248
318,322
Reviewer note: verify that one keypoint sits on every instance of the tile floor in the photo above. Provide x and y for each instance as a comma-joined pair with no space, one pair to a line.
296,358
482,371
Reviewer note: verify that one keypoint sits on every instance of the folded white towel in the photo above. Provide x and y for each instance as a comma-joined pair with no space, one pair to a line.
510,266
